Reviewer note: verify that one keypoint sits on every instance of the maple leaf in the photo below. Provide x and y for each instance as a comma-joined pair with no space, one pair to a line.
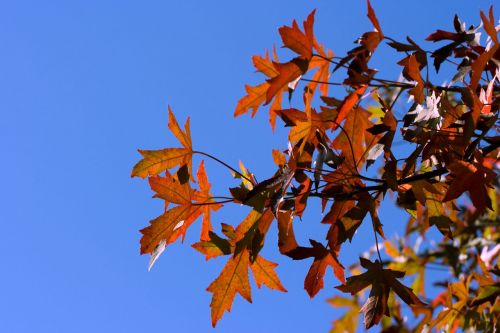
263,273
166,228
471,177
256,95
322,73
233,279
323,258
355,139
382,281
205,201
279,158
288,72
348,323
452,309
157,161
296,40
163,228
373,18
212,248
286,235
348,104
412,72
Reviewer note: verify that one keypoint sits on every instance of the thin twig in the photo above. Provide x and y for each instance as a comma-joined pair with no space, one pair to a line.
224,164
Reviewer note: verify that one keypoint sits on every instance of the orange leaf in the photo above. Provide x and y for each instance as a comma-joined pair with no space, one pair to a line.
204,197
233,279
263,273
164,227
299,131
278,157
348,104
296,40
171,190
288,72
479,65
302,196
355,126
255,97
265,65
489,25
322,74
183,137
157,161
286,236
208,248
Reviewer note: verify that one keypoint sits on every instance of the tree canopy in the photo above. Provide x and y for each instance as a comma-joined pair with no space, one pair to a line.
349,149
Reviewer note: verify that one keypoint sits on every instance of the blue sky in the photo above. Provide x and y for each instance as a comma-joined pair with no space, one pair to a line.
83,85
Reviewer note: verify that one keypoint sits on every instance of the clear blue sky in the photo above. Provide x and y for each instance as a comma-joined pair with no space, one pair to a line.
83,84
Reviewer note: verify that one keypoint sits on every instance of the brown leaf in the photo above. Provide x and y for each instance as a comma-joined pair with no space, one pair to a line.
412,69
286,236
322,259
314,278
373,19
382,281
473,178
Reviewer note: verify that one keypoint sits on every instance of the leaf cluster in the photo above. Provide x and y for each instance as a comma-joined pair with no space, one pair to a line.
446,178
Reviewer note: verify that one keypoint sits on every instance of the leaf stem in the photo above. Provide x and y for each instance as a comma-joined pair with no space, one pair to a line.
224,164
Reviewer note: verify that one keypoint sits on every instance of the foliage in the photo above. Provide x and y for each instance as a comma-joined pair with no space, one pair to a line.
440,160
